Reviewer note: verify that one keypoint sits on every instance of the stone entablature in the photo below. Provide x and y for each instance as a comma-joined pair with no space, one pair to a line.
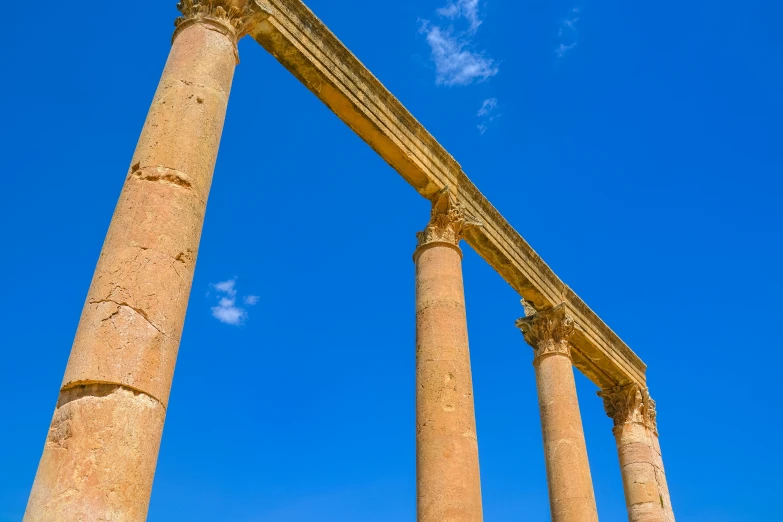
630,404
117,382
307,48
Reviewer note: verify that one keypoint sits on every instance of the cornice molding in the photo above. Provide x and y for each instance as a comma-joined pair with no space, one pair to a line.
313,54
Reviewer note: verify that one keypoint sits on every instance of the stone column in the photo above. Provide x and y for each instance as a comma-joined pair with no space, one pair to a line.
447,463
100,455
571,496
636,433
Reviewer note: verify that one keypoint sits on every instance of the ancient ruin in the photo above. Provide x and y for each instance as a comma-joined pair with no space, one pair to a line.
100,455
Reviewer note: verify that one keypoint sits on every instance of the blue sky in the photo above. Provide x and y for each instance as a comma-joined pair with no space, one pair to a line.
635,146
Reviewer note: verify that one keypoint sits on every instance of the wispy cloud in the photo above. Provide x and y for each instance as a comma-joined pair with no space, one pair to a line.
487,106
455,63
568,35
487,113
227,310
227,287
467,9
453,50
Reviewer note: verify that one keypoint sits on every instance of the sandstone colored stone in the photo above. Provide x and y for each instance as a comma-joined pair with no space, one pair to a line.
100,455
636,434
130,328
571,496
447,463
99,461
99,458
303,44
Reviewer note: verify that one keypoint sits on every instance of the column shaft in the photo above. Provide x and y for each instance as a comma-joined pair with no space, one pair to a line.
571,496
641,464
100,455
447,462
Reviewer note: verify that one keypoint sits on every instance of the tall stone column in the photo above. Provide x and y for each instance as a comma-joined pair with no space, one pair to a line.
100,455
571,496
447,463
636,433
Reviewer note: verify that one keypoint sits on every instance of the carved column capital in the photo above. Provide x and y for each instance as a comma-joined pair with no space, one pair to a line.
630,404
547,331
448,221
231,17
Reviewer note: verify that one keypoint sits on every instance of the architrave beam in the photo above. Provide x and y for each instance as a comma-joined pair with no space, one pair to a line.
312,53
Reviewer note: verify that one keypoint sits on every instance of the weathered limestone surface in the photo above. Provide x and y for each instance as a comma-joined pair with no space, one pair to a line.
636,433
571,494
100,456
306,47
101,451
447,462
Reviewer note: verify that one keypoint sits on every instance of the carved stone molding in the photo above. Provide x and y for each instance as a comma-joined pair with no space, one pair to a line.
231,17
547,331
630,404
448,221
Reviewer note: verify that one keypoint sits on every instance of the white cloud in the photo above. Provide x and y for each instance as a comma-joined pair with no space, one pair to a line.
488,113
568,34
227,310
456,61
487,106
562,49
227,287
467,9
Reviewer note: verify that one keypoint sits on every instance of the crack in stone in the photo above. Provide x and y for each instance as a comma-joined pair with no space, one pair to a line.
659,488
112,315
182,257
139,311
77,390
169,175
